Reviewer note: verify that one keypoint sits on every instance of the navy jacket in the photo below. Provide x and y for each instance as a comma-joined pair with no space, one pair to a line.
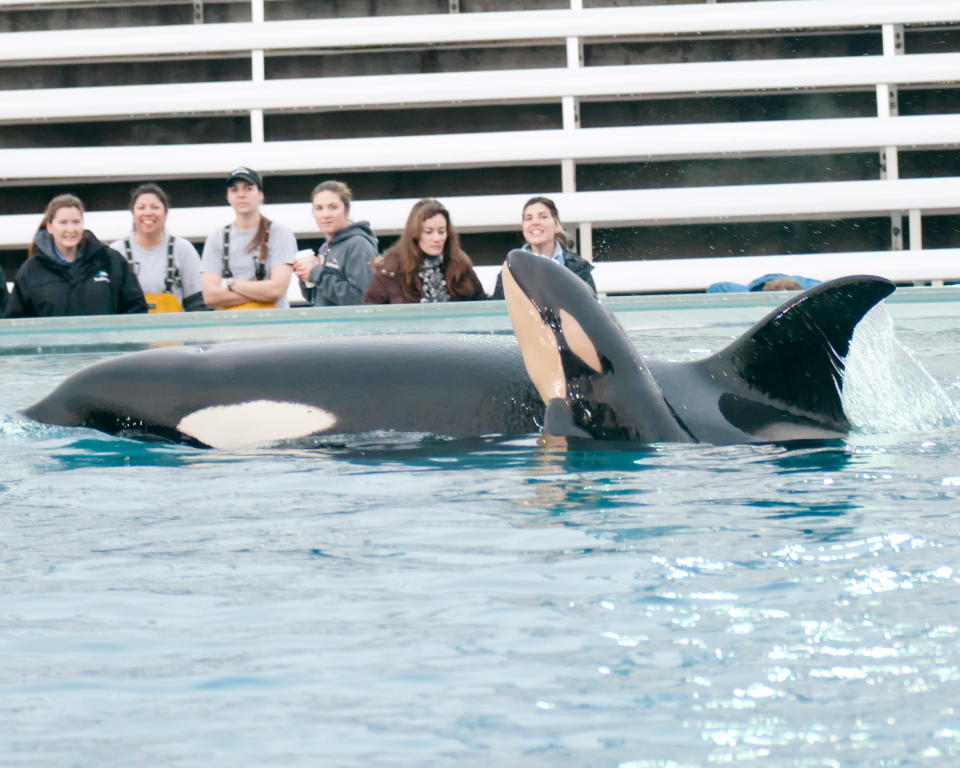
98,282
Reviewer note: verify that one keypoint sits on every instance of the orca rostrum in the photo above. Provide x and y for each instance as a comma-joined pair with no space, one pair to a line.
572,373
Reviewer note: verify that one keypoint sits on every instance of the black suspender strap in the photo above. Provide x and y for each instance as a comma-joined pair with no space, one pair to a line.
172,277
226,251
260,266
128,254
259,263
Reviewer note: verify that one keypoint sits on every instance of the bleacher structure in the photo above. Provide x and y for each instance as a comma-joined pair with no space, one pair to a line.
685,143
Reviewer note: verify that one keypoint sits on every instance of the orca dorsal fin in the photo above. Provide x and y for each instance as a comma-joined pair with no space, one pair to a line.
793,357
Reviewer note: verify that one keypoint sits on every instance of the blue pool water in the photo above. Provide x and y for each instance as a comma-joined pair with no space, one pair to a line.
408,602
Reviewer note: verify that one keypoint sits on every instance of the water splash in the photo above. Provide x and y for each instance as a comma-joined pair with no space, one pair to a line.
885,388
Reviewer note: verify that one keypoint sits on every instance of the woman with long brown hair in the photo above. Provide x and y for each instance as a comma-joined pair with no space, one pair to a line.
69,272
426,264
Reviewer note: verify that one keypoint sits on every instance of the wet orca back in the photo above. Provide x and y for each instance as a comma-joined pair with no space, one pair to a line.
782,378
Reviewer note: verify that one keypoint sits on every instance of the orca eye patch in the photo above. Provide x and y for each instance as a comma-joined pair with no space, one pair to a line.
578,342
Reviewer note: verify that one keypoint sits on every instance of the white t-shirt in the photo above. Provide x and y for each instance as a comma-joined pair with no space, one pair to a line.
150,265
281,249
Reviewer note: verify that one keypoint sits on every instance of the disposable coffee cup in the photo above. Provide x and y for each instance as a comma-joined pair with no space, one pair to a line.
303,257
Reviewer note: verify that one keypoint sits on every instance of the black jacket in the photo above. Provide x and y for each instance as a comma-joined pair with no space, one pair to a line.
98,282
580,267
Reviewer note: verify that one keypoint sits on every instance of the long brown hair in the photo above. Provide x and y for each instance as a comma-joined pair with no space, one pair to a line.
60,201
411,257
259,240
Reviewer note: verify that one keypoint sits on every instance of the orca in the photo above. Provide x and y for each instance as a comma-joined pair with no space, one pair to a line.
572,372
240,394
779,381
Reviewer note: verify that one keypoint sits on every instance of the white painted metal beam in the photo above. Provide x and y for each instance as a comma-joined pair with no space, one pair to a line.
468,28
463,88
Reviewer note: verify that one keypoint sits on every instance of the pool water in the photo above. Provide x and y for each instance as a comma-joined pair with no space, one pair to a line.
407,601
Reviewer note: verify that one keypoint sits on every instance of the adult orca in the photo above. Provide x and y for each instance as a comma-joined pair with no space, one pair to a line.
232,395
778,381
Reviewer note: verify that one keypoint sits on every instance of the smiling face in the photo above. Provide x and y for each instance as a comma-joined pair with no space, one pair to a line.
329,212
540,228
149,214
66,229
433,235
244,198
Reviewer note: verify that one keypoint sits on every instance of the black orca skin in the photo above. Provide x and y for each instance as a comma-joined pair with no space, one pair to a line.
779,381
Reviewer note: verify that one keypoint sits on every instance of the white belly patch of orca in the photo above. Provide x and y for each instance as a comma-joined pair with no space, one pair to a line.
257,422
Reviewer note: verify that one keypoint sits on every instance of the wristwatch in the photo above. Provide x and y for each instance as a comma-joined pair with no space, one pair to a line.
227,283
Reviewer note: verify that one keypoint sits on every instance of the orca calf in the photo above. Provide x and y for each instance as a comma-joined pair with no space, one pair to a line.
781,380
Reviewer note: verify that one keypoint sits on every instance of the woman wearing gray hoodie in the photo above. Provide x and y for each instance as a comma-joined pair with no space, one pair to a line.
340,272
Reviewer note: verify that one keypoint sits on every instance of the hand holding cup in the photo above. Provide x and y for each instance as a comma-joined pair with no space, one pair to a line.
303,264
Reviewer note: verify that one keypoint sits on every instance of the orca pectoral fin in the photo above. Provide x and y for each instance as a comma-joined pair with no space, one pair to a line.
794,356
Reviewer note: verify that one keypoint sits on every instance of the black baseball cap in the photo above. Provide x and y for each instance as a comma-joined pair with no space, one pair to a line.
245,174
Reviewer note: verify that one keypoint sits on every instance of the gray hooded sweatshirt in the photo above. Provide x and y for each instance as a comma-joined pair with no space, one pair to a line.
345,274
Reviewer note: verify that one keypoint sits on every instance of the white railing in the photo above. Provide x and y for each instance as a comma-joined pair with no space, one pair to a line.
932,266
487,87
614,208
634,143
886,133
468,28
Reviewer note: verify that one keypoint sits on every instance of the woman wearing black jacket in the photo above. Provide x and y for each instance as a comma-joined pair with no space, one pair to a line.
69,272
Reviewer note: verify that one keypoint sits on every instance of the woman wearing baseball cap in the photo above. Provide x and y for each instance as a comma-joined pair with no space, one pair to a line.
246,264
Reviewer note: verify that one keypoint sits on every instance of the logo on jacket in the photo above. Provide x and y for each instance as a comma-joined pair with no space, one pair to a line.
101,277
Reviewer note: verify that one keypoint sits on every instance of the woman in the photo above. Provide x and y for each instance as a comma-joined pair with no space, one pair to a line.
167,267
69,272
340,272
247,264
543,233
426,263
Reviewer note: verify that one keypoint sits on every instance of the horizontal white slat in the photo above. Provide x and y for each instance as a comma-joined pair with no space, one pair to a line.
446,29
690,275
455,88
613,208
636,143
53,4
655,276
